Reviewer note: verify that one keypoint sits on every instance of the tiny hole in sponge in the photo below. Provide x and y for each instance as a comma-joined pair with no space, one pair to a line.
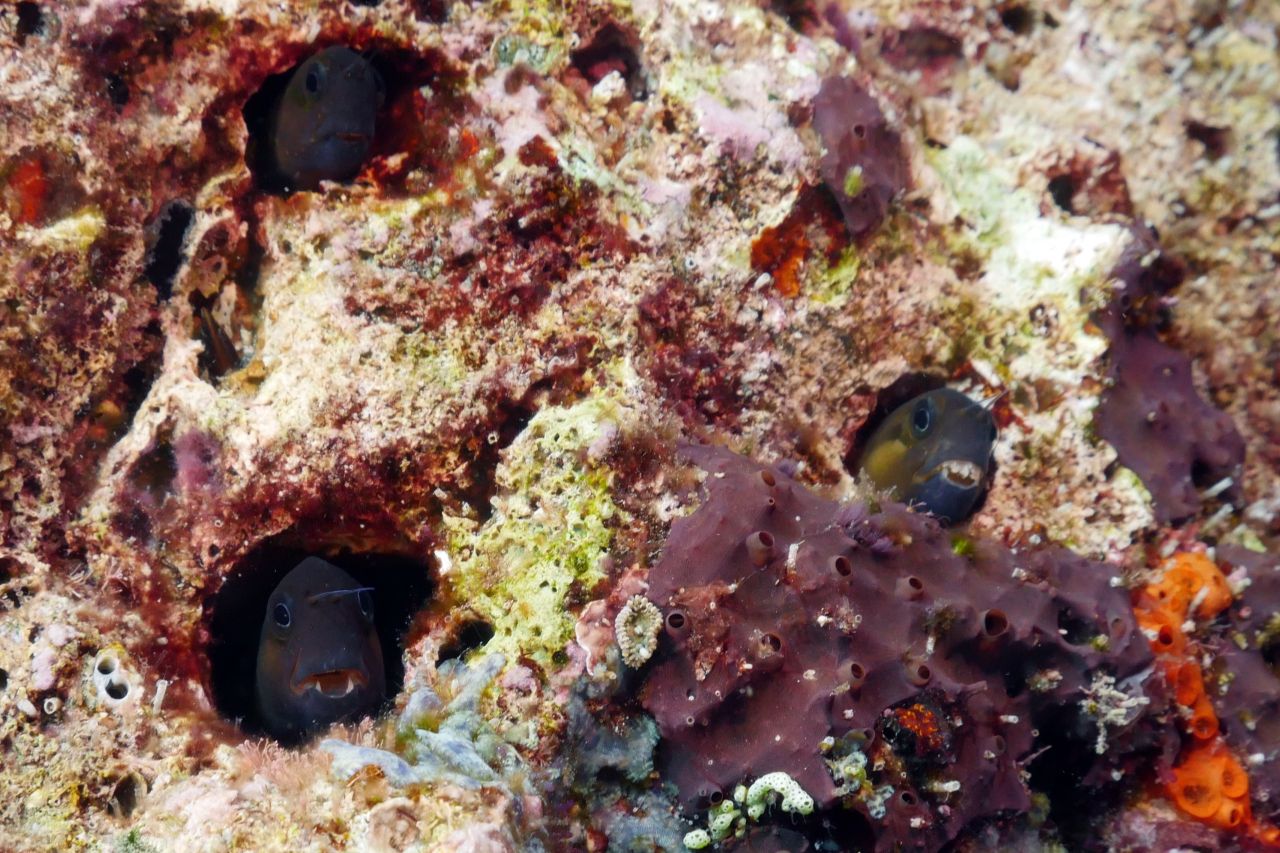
998,745
907,798
994,623
768,478
856,674
107,664
760,548
919,674
676,621
842,566
772,642
717,797
1164,637
910,588
117,689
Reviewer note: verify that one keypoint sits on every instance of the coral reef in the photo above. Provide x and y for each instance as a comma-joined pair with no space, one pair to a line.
580,234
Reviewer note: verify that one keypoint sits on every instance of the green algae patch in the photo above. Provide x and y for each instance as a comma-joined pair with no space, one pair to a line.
551,526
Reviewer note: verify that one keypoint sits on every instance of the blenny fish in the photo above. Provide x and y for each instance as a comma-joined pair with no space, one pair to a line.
934,451
323,125
319,659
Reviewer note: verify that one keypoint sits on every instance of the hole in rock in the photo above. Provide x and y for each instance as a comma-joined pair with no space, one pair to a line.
127,794
1017,19
800,14
1062,189
401,585
887,400
1214,139
166,235
4,679
469,636
612,49
117,689
117,91
30,21
405,121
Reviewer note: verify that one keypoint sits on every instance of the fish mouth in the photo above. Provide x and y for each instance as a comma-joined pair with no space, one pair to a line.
332,683
960,473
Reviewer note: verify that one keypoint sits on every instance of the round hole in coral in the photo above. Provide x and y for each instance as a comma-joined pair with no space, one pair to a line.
907,798
994,623
998,745
107,664
117,689
857,673
860,131
717,797
1164,636
688,721
771,642
842,565
676,620
768,478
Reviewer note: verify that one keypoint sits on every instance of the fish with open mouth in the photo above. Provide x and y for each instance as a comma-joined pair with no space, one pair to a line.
323,125
319,657
934,451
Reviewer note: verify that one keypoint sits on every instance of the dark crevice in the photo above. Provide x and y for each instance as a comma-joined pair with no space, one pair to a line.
1214,139
166,236
612,49
469,636
1062,189
1017,19
401,586
30,22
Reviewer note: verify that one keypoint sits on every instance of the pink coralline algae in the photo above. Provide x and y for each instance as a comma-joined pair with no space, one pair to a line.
897,673
864,163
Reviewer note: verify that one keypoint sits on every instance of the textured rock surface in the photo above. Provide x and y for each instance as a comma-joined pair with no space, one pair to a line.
586,231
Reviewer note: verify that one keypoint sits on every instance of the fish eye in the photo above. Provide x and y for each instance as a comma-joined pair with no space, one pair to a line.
365,600
314,79
280,613
922,418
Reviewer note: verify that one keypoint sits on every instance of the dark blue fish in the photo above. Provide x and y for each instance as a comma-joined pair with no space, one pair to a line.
934,451
323,126
319,659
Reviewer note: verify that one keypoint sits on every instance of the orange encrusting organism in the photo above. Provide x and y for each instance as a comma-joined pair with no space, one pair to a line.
1209,784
